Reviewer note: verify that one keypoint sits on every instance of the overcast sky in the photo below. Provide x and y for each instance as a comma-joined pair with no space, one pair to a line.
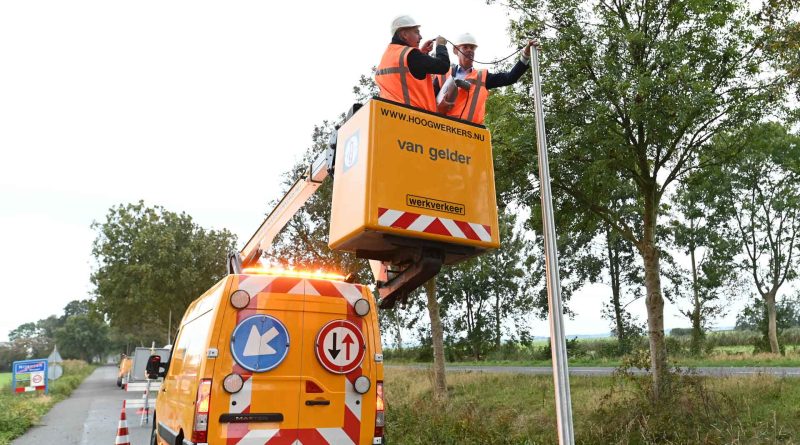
196,106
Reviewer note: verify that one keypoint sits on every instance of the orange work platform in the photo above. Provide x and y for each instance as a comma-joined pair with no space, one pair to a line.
407,179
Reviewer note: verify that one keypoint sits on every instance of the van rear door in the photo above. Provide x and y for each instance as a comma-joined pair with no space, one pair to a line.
263,347
337,348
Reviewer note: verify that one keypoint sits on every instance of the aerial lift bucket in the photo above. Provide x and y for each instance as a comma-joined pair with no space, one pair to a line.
413,190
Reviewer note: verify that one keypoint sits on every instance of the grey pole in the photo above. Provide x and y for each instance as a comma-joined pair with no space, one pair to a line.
566,435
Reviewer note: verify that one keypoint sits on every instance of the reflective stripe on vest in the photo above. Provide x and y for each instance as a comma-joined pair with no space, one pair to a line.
478,92
397,84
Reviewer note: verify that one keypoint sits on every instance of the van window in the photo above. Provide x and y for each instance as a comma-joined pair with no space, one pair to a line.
191,344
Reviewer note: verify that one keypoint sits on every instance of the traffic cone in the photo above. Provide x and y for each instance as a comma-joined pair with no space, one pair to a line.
122,429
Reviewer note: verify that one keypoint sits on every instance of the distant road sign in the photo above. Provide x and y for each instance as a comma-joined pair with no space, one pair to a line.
340,346
29,375
54,371
260,343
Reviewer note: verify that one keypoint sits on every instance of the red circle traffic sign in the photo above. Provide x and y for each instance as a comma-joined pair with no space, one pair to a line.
340,346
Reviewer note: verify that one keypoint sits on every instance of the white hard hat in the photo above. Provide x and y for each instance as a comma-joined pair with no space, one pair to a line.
465,39
402,21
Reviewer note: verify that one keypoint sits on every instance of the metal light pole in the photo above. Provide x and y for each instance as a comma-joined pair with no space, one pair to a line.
566,435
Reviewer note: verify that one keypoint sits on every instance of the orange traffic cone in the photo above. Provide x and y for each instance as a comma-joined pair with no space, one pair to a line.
122,429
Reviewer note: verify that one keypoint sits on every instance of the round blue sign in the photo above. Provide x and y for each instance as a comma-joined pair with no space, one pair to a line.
259,343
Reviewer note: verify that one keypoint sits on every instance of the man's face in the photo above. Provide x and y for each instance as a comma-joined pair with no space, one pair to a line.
465,54
411,36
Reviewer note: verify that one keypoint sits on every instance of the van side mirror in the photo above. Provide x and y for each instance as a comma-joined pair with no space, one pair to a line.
153,369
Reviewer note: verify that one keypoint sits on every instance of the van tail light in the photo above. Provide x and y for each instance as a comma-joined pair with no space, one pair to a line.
380,410
201,408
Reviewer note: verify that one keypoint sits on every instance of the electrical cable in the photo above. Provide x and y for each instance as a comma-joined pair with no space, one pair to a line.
494,62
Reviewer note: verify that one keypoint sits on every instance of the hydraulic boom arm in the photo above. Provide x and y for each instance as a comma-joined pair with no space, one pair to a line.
300,192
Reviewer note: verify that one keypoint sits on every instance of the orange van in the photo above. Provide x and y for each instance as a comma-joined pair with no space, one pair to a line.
274,358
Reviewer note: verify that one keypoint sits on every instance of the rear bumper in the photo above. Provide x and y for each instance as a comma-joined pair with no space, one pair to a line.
166,433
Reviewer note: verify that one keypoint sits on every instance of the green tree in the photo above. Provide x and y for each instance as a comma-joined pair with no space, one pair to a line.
634,90
83,336
82,332
755,317
151,263
78,307
484,293
25,330
35,339
764,195
625,279
699,229
11,352
782,28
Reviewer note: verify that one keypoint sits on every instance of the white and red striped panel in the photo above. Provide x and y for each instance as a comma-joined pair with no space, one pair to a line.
29,388
350,433
437,225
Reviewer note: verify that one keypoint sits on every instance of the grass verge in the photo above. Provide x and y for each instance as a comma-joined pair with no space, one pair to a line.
18,412
519,409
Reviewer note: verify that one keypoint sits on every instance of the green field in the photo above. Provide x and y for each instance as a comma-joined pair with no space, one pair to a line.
731,356
746,359
5,379
519,409
722,348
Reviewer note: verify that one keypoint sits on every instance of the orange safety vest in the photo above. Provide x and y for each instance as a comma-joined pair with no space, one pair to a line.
397,84
470,106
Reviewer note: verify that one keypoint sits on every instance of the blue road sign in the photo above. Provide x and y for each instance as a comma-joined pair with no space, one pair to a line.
260,343
29,375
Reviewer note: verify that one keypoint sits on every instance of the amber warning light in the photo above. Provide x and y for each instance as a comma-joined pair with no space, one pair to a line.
321,275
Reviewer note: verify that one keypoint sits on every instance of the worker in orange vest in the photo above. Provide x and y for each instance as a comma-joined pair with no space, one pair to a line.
405,72
470,104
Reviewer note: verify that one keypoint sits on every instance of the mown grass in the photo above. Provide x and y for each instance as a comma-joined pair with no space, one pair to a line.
519,409
18,412
5,379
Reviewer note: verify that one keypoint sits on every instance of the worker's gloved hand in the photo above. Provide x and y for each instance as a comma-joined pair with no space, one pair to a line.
427,47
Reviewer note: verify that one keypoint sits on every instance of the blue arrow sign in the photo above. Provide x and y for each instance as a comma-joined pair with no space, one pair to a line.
259,343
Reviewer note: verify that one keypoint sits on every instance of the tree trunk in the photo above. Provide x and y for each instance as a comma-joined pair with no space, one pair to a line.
697,328
437,334
655,300
614,272
398,330
497,342
769,298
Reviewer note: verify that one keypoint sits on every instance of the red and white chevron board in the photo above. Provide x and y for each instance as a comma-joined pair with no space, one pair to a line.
350,432
433,224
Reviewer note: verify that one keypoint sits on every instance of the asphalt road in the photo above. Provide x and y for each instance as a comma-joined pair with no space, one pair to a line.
599,371
90,416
